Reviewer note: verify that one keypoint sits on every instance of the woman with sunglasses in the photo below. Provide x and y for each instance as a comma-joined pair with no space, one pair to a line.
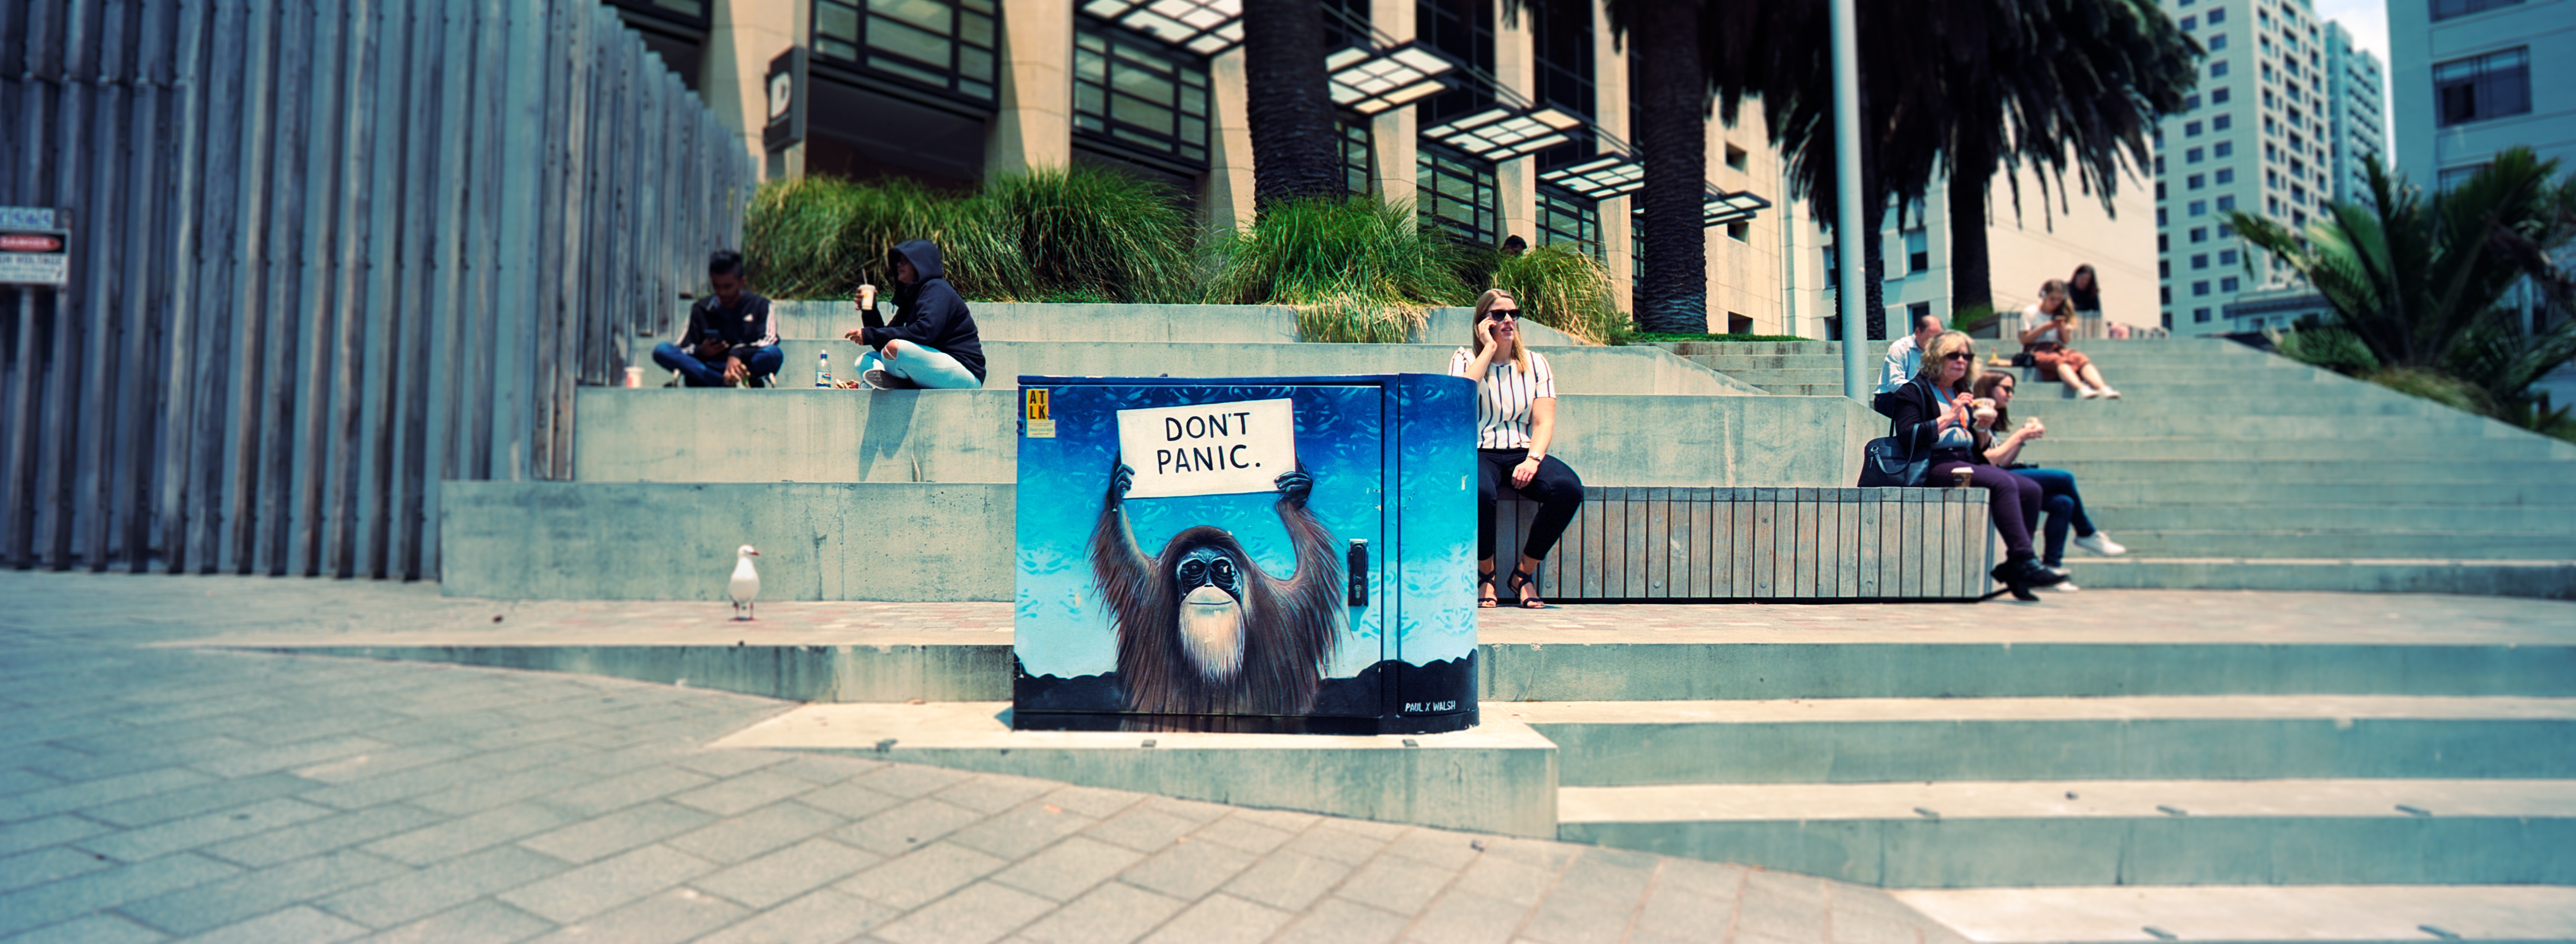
1515,420
2057,494
1934,413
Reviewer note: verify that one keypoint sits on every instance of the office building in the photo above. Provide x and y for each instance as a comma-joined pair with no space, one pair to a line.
2278,124
2473,77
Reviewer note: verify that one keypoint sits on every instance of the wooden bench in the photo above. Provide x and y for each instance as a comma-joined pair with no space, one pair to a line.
1762,544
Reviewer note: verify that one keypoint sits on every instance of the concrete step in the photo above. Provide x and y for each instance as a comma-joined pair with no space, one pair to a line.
1628,370
1785,376
671,541
2179,449
2502,495
2369,472
795,434
2531,577
821,320
802,434
2389,517
2103,832
2362,540
2064,425
1732,362
2334,914
1490,778
2048,404
1875,740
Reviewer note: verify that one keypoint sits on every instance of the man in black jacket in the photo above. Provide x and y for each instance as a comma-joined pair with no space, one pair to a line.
932,341
730,339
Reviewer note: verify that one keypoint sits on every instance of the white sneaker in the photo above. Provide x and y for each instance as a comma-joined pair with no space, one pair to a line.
2101,543
2066,583
2089,394
2110,394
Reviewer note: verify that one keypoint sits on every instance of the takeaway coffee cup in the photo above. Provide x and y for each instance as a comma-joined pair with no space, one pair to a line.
634,378
1960,476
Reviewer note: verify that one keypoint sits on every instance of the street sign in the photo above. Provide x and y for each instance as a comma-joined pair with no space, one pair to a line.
35,247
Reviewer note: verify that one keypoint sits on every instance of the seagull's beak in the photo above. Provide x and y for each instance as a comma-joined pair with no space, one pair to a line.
755,553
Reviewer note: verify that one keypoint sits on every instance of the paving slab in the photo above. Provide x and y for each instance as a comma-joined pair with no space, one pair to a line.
2225,913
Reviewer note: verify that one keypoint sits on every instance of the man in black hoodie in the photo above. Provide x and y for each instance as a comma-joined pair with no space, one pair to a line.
730,339
932,342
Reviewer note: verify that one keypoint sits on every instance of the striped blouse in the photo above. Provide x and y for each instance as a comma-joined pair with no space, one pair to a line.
1504,396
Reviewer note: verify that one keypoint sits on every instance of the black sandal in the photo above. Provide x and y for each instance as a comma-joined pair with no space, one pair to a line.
1521,585
1484,589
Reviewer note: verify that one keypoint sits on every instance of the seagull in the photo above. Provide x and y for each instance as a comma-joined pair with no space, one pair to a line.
746,582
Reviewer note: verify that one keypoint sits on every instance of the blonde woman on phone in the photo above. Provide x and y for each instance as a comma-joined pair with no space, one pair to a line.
1515,423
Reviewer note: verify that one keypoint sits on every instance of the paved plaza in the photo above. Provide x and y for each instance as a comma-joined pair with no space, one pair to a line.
152,788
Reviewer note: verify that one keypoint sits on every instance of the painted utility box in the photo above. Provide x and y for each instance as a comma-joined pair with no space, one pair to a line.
1271,554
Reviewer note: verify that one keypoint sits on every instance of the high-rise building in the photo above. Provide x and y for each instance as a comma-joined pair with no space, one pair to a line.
2473,77
2276,128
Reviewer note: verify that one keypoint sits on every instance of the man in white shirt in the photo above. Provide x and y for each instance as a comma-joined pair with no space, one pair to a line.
1905,355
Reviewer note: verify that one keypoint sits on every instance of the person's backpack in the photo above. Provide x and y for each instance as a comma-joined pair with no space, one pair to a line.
1885,462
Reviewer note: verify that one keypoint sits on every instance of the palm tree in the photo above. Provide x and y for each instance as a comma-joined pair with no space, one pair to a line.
1295,150
1667,41
2416,286
2060,83
1968,88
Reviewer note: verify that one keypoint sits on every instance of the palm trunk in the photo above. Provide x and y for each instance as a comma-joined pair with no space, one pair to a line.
1295,150
1972,289
1672,296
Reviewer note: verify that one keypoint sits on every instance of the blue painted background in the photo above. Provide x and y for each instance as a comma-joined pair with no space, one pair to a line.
1061,628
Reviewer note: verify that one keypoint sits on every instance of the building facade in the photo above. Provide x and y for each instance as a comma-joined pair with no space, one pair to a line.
2279,126
2473,77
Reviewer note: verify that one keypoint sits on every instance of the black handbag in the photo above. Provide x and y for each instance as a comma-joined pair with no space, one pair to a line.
1884,463
2024,359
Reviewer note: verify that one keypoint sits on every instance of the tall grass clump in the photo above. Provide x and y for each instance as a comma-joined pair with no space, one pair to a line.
1564,290
1355,269
1049,235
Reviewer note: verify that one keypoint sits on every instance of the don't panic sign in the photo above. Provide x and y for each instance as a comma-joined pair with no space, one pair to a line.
1208,448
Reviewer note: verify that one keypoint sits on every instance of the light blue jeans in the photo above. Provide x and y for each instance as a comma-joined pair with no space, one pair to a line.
925,366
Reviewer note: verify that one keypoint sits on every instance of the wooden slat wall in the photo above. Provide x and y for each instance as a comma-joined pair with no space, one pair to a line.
326,254
1745,544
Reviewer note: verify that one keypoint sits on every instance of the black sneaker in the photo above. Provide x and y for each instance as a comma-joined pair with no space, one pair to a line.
2024,572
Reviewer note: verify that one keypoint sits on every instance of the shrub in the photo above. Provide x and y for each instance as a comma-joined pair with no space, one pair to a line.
1356,270
1080,234
1564,290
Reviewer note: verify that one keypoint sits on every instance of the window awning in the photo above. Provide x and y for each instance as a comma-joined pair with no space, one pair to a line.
1503,133
1724,207
1369,81
1603,177
1205,27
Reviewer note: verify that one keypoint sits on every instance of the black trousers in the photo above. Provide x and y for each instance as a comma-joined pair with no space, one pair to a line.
1556,489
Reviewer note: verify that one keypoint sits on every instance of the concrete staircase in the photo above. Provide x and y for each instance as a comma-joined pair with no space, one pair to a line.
2223,467
841,488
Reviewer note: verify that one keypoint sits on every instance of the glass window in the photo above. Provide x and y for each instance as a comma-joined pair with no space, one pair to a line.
1918,251
2218,69
1462,30
945,44
1568,220
2190,102
1356,156
2446,9
2199,315
2164,268
2199,288
2218,16
2200,261
2191,156
2199,234
2191,129
2455,176
1346,23
2227,284
1139,92
2223,148
1561,38
2227,257
2227,202
1456,193
2200,208
2226,175
2191,22
2194,181
2217,42
2218,96
2482,87
2222,122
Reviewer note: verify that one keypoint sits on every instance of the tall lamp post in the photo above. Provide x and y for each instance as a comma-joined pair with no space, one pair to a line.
1849,251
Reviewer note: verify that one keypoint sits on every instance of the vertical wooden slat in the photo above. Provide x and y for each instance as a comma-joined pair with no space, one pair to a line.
370,505
1911,547
148,245
56,454
1867,556
305,468
1828,548
100,401
205,423
1706,541
37,49
355,319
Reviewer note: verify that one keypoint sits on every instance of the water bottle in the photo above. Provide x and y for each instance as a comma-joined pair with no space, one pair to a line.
823,369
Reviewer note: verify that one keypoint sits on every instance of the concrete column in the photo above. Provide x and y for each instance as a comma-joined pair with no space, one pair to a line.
1610,99
1516,181
1229,201
743,36
1393,133
1034,127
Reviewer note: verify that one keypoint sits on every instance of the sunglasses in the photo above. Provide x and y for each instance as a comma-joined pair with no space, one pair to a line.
1498,314
1959,357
